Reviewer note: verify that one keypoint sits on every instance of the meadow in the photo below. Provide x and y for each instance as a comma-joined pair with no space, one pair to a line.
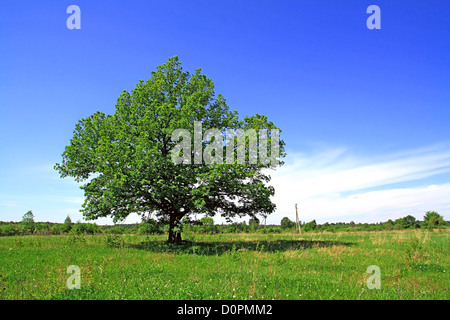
414,264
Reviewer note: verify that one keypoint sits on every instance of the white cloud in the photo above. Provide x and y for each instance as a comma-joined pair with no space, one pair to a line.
332,185
9,204
74,200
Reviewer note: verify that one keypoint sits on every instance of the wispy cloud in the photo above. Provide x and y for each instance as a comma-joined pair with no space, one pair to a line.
335,184
74,200
9,204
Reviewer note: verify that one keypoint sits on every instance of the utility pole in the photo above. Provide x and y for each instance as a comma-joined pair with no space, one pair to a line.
297,220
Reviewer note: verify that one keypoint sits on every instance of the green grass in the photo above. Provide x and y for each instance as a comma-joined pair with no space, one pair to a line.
414,264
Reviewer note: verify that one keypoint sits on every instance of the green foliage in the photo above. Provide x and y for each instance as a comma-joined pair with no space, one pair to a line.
408,222
28,217
58,229
8,229
115,241
253,224
67,226
207,221
204,226
286,223
75,239
126,157
42,228
236,227
310,226
85,228
27,223
412,249
388,225
433,220
68,220
270,229
150,226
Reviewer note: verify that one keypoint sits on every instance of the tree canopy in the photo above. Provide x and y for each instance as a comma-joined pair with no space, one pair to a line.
126,160
433,219
28,217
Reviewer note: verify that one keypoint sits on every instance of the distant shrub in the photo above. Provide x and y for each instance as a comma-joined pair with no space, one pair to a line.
408,222
432,220
206,226
270,229
42,228
286,223
115,230
27,224
85,228
150,226
253,224
75,238
388,225
8,229
310,226
236,227
115,241
67,225
57,229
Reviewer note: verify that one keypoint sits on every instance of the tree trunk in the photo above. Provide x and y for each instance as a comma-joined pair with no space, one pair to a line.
174,229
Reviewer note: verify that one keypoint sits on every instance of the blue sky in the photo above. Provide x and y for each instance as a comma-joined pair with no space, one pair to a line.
364,113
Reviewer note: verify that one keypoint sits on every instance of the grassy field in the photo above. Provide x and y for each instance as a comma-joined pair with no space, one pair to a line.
413,264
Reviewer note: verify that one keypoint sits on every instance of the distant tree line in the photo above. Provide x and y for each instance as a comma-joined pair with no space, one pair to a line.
28,226
431,220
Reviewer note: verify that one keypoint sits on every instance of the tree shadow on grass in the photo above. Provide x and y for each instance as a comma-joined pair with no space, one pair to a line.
223,247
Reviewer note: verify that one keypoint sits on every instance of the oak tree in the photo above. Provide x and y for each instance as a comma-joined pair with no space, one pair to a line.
126,159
